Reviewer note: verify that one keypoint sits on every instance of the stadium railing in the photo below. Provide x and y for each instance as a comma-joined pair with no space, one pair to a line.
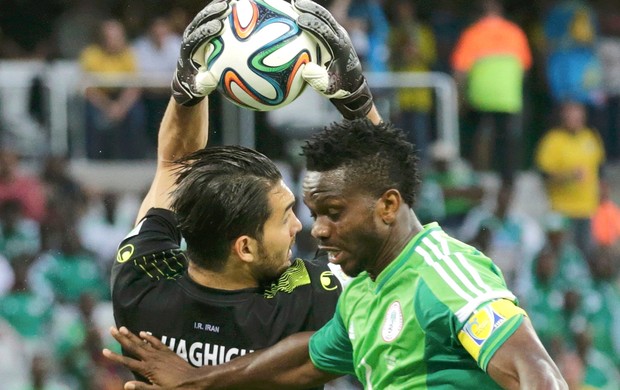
62,83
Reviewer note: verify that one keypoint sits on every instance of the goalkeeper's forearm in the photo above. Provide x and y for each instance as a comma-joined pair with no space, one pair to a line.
373,115
183,130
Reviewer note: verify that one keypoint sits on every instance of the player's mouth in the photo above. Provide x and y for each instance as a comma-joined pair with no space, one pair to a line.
334,256
290,250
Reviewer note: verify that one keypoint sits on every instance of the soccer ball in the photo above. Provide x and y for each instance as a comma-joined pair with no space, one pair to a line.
260,54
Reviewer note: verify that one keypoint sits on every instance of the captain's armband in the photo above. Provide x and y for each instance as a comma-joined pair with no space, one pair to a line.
487,329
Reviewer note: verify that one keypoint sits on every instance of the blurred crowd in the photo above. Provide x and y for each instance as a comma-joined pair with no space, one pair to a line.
58,240
539,91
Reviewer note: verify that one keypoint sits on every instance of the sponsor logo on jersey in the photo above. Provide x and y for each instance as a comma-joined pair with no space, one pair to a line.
351,332
393,323
327,282
483,323
125,253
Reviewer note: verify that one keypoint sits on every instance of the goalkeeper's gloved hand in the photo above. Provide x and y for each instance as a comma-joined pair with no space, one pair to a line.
341,80
191,81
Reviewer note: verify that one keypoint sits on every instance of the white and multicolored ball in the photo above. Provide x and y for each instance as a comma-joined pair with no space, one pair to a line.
258,59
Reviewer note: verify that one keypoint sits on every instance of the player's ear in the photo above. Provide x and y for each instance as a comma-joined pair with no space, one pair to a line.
388,205
245,248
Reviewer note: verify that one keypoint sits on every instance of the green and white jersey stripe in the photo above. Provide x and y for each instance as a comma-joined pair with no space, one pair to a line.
401,330
469,278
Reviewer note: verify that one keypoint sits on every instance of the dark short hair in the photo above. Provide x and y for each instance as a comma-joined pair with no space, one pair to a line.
376,157
222,194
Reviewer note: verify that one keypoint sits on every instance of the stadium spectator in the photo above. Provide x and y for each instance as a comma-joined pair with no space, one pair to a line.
60,185
603,303
76,26
489,61
368,27
43,374
514,238
156,55
111,215
606,220
77,342
18,185
459,186
571,263
26,28
570,157
18,235
608,51
28,312
447,22
599,371
544,301
115,118
573,67
70,271
14,359
556,295
412,49
6,275
65,197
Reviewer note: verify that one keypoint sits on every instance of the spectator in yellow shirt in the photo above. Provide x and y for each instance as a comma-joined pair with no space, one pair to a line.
570,157
413,49
115,117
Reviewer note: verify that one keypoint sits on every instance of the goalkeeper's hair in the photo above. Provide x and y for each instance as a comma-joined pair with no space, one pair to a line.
376,157
222,193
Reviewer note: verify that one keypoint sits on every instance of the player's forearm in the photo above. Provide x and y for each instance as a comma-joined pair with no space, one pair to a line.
286,365
545,377
523,363
373,115
183,130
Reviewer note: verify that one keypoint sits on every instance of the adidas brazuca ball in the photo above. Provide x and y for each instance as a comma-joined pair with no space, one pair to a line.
260,54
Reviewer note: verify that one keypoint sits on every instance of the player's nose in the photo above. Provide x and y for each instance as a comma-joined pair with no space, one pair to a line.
296,225
320,228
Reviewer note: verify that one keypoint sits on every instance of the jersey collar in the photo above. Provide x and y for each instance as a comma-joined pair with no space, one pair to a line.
404,256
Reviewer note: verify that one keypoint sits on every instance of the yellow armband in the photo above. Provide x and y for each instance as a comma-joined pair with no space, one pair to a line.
488,328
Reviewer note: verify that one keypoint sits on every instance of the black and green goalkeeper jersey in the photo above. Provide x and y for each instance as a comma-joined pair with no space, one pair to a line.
152,292
431,320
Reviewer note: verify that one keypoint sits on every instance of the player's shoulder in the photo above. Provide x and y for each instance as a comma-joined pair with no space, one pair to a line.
436,244
155,219
440,251
156,232
304,273
326,276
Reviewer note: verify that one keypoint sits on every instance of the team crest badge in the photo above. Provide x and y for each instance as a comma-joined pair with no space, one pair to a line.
393,322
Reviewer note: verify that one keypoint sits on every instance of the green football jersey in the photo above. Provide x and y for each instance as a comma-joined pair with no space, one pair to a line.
431,320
